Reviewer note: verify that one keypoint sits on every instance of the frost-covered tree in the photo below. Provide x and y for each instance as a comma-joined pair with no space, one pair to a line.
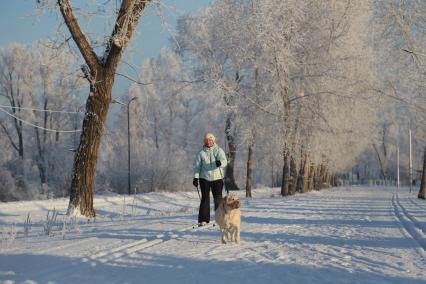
40,88
314,65
54,89
12,79
209,40
401,48
100,72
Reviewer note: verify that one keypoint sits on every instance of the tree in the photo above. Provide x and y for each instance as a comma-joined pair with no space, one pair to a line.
400,47
422,191
52,87
40,87
206,39
100,72
11,80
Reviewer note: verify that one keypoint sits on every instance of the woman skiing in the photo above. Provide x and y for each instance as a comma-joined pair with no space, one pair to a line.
208,173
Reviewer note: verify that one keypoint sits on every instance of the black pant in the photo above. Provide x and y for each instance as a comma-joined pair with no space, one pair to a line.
205,185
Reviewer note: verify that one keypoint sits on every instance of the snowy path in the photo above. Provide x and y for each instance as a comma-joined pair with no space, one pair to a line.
343,235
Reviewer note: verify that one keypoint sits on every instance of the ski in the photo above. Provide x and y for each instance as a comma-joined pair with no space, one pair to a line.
203,225
196,226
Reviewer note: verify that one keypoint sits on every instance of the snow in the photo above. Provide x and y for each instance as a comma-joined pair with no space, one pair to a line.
341,235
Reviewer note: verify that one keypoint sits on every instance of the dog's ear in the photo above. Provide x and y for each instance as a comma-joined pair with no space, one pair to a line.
237,204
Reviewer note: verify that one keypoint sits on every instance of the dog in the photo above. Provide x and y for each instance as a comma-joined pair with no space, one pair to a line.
228,217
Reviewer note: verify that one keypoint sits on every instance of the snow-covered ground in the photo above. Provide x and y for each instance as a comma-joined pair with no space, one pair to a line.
342,235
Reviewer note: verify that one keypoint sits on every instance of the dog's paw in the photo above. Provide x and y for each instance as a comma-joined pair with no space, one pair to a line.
223,241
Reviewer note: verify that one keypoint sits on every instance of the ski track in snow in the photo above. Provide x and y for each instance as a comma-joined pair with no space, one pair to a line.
419,206
412,226
342,235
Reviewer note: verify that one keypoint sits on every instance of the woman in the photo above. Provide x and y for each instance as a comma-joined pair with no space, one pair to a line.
208,173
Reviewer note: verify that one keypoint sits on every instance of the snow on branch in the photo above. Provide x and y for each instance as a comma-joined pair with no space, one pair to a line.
80,39
128,18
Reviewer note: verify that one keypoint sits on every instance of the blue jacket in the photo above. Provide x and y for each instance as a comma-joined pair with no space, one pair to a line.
205,163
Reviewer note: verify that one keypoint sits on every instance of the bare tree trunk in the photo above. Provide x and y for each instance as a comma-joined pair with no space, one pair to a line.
41,146
333,180
422,191
20,141
304,184
18,124
249,181
156,131
285,174
41,161
293,176
305,177
231,155
322,176
325,182
300,174
299,186
381,163
337,180
272,172
311,177
230,132
317,178
293,168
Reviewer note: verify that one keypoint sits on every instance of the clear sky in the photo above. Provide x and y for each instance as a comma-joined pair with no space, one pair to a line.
19,24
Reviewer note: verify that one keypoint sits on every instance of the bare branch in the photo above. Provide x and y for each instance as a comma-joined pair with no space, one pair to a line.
127,20
9,136
80,39
133,80
412,52
395,97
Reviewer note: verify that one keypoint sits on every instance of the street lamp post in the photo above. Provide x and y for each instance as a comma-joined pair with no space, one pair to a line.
128,140
410,162
128,144
397,165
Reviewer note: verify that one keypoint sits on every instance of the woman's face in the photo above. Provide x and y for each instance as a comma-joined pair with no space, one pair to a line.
208,141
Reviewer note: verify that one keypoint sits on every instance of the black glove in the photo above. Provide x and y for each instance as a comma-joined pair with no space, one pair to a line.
195,182
218,163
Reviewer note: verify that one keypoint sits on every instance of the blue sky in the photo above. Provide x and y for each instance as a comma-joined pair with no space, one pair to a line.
19,24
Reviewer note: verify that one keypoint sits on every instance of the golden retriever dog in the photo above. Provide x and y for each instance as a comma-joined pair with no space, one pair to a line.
228,217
